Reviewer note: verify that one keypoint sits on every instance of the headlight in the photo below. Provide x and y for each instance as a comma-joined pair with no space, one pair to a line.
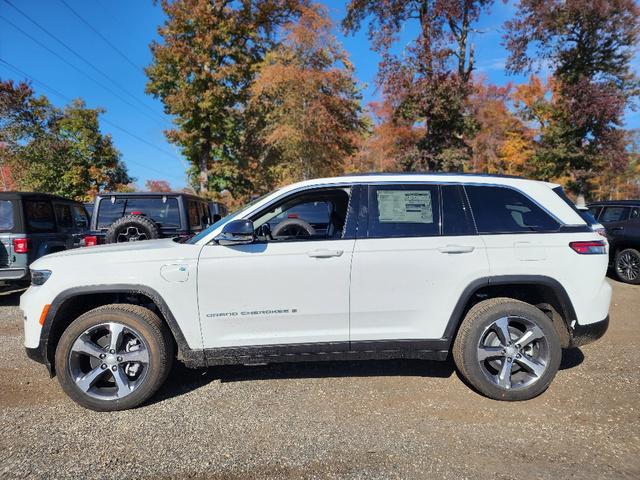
38,277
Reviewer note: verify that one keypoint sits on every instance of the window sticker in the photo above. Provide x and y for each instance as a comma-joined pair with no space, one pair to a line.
404,206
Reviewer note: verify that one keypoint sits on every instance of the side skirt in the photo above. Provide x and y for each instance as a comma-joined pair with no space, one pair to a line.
331,351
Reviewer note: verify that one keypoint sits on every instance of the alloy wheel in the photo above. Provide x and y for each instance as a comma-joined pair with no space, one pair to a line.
109,361
628,266
513,352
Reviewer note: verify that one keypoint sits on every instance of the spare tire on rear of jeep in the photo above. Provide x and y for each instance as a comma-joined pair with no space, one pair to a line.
132,228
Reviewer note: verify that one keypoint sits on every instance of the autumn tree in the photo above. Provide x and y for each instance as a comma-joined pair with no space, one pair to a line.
589,46
53,150
157,186
431,83
202,71
306,92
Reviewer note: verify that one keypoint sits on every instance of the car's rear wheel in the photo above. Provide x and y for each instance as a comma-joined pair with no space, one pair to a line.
627,265
507,349
114,357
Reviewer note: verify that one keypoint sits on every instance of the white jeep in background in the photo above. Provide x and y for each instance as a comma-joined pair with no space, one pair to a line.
499,272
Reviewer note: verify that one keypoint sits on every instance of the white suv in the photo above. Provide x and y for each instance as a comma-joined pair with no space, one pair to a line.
500,272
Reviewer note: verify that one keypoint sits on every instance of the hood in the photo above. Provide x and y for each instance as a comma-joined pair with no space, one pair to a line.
164,243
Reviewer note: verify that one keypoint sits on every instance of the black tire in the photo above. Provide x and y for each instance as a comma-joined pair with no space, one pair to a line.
477,328
294,224
127,228
136,320
627,266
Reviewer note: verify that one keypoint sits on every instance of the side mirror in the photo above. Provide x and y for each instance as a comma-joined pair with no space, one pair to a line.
236,232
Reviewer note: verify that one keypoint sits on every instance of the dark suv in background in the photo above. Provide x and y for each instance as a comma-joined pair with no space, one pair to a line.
128,217
621,219
33,225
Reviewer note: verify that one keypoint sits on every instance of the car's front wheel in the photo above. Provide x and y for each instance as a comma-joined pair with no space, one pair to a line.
507,349
114,357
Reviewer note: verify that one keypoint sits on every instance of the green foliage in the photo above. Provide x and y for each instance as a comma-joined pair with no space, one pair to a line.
56,151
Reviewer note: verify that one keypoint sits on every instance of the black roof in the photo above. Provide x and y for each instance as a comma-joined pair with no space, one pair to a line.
149,194
626,203
20,195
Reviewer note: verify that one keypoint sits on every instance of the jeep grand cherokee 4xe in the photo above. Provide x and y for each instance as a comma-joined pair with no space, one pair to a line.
499,272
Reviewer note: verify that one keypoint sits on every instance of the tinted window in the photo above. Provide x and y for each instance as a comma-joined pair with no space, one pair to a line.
614,214
194,214
504,210
403,211
585,214
63,216
39,216
164,213
109,212
456,216
595,211
6,215
80,217
635,213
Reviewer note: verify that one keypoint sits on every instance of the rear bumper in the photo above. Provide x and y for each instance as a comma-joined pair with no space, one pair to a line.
13,274
584,334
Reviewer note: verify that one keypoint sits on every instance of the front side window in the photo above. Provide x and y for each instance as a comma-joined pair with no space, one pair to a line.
504,210
63,216
614,214
39,216
403,211
6,215
316,215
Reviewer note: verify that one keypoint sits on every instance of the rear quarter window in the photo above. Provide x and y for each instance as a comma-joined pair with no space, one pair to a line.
7,221
39,216
505,210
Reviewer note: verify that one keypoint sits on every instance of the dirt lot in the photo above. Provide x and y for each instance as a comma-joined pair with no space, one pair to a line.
390,419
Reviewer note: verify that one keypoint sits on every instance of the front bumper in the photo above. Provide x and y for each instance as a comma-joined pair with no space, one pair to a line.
14,274
584,334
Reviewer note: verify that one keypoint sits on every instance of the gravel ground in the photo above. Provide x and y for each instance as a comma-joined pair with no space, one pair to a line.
387,419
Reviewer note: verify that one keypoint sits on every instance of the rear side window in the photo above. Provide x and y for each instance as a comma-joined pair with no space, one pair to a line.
80,217
614,214
6,215
456,215
504,210
194,214
109,212
403,211
63,216
39,216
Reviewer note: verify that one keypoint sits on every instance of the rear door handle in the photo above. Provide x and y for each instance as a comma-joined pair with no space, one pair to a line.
325,253
456,249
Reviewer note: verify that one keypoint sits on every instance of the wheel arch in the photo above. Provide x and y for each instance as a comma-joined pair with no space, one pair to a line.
544,292
72,303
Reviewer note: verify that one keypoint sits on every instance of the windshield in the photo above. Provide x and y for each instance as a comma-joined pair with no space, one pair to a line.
219,223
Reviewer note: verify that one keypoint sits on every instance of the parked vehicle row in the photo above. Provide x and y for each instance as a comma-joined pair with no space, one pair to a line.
499,273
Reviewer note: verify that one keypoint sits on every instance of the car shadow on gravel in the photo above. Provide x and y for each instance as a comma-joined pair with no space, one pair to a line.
10,299
183,380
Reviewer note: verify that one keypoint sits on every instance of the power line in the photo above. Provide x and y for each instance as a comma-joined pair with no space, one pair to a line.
118,127
104,39
82,72
101,72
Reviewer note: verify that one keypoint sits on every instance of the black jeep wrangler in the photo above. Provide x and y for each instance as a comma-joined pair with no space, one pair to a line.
128,217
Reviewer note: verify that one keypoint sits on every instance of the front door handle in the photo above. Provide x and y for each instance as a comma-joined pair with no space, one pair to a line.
325,253
457,249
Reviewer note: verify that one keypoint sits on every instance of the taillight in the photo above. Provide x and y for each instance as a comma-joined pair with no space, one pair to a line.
20,245
90,241
589,248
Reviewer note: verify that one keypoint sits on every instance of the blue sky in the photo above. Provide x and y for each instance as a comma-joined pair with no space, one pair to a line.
135,120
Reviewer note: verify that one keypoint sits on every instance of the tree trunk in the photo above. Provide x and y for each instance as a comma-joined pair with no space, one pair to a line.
203,162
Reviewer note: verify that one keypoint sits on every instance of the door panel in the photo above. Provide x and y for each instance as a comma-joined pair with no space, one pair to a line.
275,293
407,288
